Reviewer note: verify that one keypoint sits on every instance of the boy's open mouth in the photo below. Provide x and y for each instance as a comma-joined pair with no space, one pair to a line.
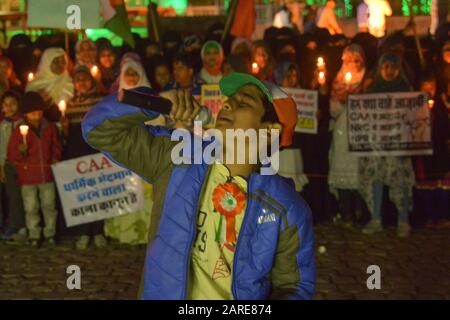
225,118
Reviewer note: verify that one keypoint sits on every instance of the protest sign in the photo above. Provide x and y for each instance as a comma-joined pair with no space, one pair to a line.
307,103
211,97
389,124
93,188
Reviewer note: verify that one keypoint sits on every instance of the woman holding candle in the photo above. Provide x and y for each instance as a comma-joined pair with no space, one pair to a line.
33,160
380,173
52,81
343,177
108,66
262,61
14,230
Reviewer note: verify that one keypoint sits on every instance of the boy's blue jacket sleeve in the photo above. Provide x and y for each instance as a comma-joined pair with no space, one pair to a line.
119,131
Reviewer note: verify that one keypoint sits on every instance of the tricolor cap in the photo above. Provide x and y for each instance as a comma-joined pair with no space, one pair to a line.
283,104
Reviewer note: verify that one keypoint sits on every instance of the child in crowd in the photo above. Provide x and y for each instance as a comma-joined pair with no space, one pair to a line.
33,153
14,229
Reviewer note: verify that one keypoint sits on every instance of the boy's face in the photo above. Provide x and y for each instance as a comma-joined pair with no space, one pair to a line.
162,76
58,65
182,73
34,117
107,58
82,82
10,107
243,110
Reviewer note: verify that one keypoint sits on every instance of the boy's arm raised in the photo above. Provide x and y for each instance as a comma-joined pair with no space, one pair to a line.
119,132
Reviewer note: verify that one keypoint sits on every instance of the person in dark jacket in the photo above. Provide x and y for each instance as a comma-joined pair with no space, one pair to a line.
218,231
432,197
33,154
14,229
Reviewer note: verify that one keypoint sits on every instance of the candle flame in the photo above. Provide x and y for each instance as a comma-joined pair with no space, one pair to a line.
24,129
348,77
62,106
30,76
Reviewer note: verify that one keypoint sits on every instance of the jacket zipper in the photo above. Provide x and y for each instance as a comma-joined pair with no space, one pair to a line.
194,232
233,277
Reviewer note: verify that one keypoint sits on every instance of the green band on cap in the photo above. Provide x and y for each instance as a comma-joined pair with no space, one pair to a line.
231,83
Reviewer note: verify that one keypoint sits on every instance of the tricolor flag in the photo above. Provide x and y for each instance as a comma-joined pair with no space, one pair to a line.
244,22
115,17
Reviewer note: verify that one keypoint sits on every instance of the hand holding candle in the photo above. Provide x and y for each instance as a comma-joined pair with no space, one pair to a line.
24,132
320,63
321,78
348,77
255,68
62,106
94,71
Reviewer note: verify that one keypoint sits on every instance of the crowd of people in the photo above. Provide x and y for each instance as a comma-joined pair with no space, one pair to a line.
368,192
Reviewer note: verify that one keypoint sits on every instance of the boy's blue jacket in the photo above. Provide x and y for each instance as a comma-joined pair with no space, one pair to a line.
273,259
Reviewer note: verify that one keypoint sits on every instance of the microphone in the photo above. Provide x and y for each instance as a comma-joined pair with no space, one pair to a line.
145,101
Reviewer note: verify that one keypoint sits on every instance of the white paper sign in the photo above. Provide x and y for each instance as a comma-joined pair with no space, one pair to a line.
307,104
93,188
389,124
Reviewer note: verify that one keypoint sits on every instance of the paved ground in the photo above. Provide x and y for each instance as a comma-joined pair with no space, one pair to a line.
418,267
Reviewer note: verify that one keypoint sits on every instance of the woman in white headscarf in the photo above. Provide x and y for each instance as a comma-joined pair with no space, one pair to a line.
343,177
52,78
132,75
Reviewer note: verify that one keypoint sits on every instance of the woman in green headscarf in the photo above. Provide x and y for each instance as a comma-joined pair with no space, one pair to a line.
396,173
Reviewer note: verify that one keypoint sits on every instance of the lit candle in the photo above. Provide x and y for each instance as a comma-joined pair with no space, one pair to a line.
320,63
62,107
24,131
321,77
30,76
348,77
430,104
255,68
94,71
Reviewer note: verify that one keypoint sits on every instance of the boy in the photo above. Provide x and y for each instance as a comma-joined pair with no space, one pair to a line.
183,74
218,231
33,155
